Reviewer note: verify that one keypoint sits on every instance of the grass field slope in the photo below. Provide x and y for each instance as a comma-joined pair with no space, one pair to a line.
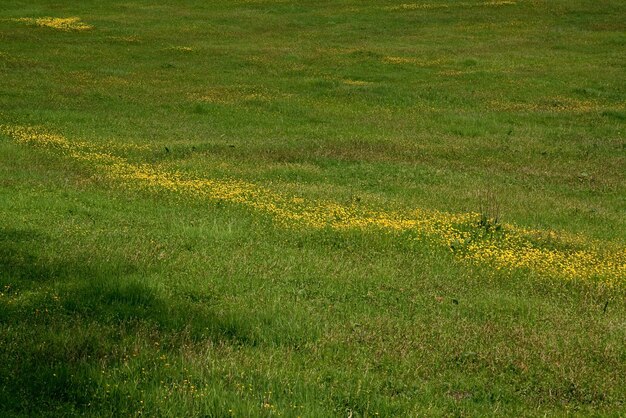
348,208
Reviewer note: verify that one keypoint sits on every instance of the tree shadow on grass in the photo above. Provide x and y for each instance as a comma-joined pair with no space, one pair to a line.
64,320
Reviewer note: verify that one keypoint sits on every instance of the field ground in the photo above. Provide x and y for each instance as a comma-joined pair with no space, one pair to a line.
313,208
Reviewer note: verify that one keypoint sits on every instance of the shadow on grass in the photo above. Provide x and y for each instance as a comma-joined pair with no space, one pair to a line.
64,321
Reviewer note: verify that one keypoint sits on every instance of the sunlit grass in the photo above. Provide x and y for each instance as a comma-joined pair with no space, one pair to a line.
510,247
276,208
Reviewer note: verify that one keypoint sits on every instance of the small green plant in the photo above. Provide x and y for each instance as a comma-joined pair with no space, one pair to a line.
489,209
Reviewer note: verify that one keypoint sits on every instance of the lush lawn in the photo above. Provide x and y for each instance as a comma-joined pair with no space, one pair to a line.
250,208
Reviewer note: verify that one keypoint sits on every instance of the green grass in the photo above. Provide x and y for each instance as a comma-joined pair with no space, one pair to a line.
122,301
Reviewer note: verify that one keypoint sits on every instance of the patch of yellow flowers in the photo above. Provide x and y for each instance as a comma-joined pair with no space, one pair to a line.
557,105
66,24
571,257
427,6
412,60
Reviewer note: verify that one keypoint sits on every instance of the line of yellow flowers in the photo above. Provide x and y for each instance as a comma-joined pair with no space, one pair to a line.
65,24
543,252
427,6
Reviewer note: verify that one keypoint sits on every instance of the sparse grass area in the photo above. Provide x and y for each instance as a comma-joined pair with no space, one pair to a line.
258,208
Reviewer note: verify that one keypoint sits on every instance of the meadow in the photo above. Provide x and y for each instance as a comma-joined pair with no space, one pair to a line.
308,208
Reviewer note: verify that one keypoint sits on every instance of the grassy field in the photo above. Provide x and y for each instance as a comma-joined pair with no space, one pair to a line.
313,208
